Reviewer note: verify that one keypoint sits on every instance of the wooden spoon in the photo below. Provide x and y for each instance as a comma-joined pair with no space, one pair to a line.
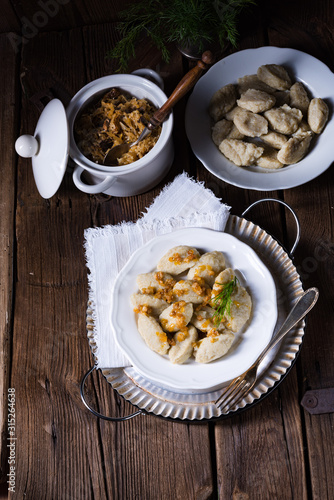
187,83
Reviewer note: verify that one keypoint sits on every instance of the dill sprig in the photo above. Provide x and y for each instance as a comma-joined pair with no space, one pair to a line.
223,300
184,22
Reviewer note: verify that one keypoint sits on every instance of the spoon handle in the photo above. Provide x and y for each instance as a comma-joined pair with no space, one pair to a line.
303,306
187,82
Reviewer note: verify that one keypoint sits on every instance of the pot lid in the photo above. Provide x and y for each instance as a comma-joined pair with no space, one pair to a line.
48,148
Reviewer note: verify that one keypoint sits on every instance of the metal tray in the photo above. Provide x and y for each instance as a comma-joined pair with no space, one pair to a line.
148,397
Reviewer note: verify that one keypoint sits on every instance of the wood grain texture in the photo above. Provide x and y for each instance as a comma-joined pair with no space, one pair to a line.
8,129
273,450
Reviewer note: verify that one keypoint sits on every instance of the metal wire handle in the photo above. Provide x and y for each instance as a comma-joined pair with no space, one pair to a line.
97,414
294,246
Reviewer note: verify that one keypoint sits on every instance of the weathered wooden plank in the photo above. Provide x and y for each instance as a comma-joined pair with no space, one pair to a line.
311,33
260,453
8,129
50,352
179,478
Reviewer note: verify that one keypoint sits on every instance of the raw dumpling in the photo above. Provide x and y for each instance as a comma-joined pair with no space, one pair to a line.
222,101
269,159
178,259
256,101
275,76
317,115
294,150
225,129
252,82
140,300
250,124
299,98
239,152
183,348
211,348
284,119
153,334
176,316
208,266
274,139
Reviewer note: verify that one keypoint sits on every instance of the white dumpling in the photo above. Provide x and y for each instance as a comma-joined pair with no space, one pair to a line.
152,282
183,348
155,305
176,316
204,320
191,291
178,259
317,115
152,333
241,153
275,76
211,348
207,267
222,101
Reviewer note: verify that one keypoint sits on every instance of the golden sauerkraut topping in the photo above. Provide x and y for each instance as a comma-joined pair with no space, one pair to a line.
115,119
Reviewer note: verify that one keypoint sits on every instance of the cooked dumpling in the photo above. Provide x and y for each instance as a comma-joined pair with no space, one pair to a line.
211,348
183,348
207,267
152,282
176,316
256,101
178,259
294,150
240,309
275,76
250,124
284,119
138,300
204,320
299,98
191,291
239,152
222,101
153,334
317,115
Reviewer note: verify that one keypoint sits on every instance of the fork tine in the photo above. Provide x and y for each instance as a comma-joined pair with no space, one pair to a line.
236,397
232,391
229,389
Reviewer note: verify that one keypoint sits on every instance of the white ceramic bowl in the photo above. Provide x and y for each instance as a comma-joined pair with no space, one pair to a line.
249,342
139,176
316,77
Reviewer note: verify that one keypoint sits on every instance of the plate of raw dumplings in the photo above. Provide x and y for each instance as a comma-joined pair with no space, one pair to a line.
168,313
262,118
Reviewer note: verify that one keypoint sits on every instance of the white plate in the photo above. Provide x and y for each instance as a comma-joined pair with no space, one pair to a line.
248,344
317,78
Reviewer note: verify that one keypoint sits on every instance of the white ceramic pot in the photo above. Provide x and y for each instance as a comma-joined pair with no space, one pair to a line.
89,177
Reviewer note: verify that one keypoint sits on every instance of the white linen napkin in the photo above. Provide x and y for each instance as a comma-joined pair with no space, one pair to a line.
183,203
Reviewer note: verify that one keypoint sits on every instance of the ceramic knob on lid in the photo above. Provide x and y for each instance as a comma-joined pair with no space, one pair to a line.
48,148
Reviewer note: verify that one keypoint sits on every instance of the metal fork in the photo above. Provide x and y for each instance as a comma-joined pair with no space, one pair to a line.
243,384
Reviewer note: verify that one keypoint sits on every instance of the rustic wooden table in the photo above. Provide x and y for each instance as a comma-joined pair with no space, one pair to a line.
274,450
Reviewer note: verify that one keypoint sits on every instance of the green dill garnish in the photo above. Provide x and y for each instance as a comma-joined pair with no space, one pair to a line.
223,300
183,22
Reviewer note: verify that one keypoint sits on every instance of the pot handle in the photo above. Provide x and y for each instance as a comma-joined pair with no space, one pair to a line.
96,413
150,74
92,188
294,246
